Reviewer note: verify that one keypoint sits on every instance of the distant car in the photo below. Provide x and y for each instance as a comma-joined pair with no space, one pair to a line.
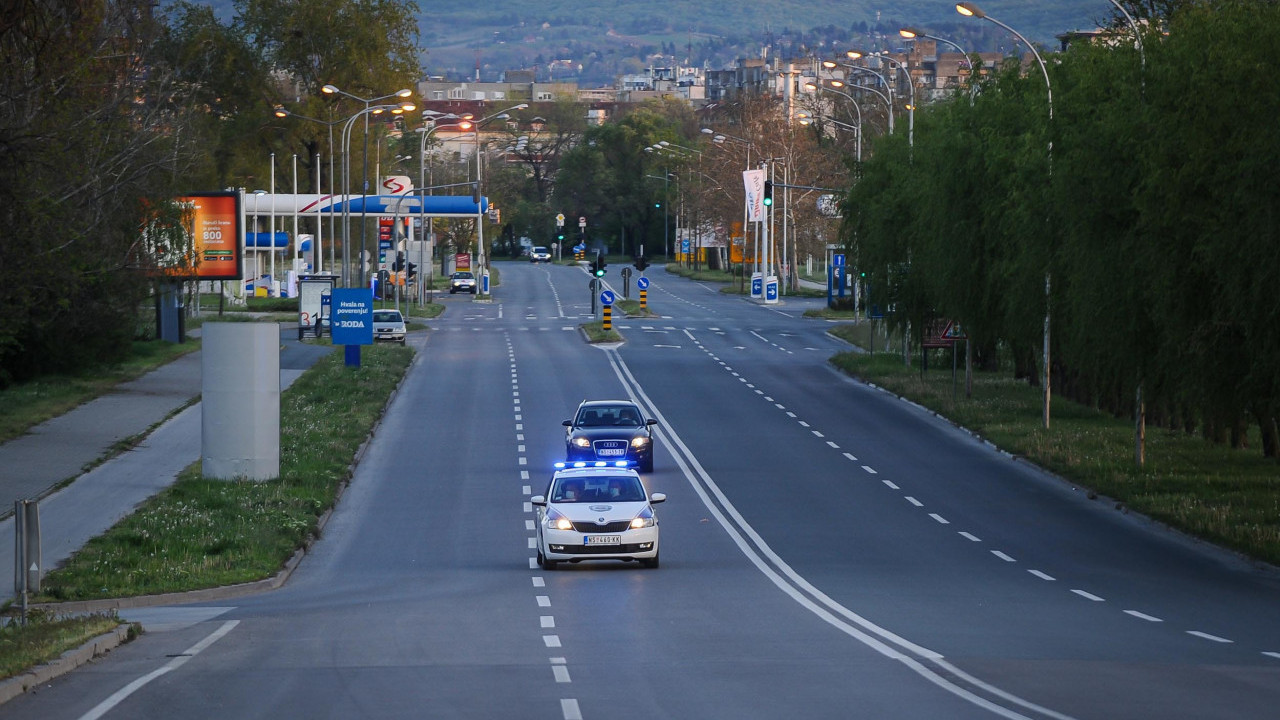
462,281
610,430
596,511
388,326
540,254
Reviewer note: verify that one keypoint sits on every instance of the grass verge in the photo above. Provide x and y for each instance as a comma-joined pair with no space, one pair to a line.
1228,497
597,334
44,638
632,309
202,532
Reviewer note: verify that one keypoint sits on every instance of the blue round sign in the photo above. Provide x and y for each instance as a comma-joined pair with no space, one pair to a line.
643,283
607,297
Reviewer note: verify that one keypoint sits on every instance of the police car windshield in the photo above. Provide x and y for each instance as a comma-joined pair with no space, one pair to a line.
620,488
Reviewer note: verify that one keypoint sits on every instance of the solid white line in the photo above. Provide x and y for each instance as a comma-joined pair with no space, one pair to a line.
1207,636
1142,616
869,469
551,640
1088,596
119,696
970,536
1002,556
547,621
1042,576
570,709
794,585
561,672
913,501
939,518
890,485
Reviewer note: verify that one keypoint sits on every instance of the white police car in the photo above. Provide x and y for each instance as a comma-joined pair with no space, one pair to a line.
596,511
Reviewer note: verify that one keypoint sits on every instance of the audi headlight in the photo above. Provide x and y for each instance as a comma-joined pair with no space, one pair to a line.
581,442
639,442
644,519
556,521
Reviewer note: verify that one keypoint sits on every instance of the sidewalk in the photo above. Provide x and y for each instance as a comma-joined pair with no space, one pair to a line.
34,465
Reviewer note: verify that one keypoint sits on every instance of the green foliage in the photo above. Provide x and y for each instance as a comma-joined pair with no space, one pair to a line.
1148,200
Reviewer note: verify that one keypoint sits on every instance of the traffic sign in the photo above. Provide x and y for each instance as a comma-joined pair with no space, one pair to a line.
643,283
607,297
837,260
582,222
560,220
953,331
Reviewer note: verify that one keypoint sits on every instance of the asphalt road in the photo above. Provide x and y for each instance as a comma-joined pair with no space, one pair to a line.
828,551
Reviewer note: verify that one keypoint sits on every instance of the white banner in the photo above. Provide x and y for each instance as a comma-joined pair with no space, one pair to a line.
754,182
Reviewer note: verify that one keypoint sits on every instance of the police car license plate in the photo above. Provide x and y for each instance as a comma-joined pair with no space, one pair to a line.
602,540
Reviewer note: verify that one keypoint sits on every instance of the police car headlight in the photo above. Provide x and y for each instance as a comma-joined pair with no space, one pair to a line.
643,520
556,521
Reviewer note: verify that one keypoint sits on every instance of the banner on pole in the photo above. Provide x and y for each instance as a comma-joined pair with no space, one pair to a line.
754,182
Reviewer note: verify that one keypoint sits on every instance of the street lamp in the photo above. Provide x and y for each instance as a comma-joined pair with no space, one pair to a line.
424,225
364,188
888,99
283,112
719,138
346,185
475,128
970,10
911,88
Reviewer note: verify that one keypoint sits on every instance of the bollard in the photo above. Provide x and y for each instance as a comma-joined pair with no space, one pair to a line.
644,299
608,317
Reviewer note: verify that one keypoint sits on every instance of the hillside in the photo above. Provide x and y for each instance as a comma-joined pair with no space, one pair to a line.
592,41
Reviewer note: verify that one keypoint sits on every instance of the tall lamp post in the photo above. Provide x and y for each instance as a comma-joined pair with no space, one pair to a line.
364,187
719,138
425,185
970,10
475,128
346,185
911,89
282,112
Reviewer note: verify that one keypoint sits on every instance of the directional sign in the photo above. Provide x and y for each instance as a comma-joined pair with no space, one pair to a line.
607,297
643,283
579,248
837,260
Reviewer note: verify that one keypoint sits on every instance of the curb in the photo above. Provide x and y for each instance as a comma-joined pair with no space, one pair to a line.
68,661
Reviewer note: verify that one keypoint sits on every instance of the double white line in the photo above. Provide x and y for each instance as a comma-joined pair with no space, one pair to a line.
929,664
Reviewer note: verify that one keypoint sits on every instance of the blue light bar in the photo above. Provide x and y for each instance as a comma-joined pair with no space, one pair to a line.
558,466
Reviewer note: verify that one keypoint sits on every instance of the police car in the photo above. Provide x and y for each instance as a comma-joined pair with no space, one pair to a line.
596,511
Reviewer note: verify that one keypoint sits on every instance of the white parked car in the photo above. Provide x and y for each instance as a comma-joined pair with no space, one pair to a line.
596,511
388,326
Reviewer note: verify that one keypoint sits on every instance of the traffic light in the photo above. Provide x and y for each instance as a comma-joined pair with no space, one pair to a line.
641,263
398,265
560,235
657,205
413,270
599,265
768,192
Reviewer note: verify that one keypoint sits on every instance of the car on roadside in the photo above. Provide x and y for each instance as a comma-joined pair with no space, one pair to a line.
539,254
611,431
388,326
596,511
462,281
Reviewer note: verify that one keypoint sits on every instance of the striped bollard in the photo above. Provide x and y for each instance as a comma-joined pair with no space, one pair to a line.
608,317
644,299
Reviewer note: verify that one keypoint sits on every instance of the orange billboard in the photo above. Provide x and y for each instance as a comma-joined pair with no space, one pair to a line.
201,240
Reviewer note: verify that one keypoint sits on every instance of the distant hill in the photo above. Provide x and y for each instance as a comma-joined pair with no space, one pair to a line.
594,40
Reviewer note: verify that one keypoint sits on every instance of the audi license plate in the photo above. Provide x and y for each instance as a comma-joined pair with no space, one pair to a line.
602,540
612,452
